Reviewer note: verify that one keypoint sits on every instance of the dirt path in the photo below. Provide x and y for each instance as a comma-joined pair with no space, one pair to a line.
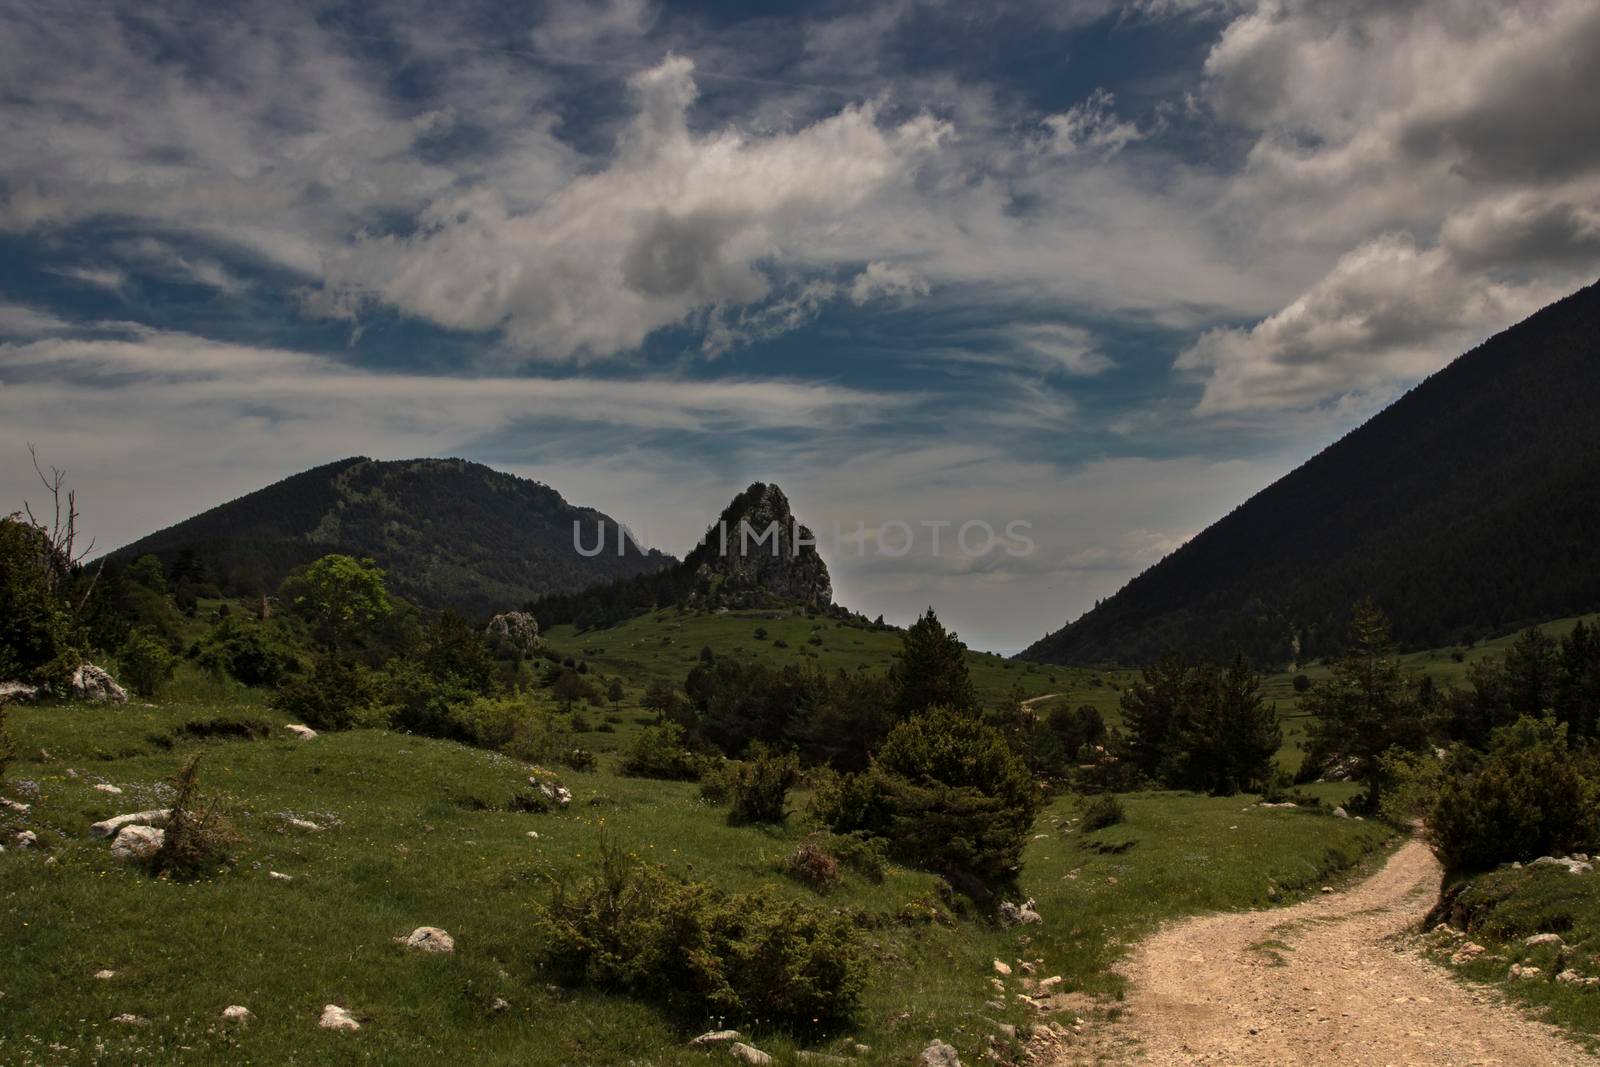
1321,982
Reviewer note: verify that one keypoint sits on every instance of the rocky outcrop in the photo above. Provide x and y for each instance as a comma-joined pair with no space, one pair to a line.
513,635
91,683
757,551
113,826
429,939
336,1018
138,843
18,693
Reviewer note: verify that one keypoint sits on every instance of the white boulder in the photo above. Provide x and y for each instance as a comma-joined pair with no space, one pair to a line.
107,788
237,1014
715,1037
25,839
138,842
91,683
938,1054
336,1018
113,826
18,693
746,1054
428,939
303,732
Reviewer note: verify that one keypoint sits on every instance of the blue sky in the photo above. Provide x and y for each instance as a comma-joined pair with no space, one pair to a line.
1105,268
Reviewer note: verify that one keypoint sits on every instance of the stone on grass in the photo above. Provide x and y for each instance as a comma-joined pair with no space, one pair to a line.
559,795
938,1054
304,733
1002,968
91,683
138,842
1575,866
715,1037
1572,977
1015,915
15,805
1543,939
1519,971
113,826
499,1004
107,787
428,939
18,693
127,1018
1467,953
238,1014
304,825
746,1054
105,975
25,839
336,1018
1341,813
279,876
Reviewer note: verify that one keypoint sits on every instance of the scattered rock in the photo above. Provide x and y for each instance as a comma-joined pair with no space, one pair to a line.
129,1019
513,634
1572,977
558,795
16,806
1575,866
1543,939
18,693
1048,985
1280,804
1002,968
1007,1031
303,732
1467,953
105,976
25,839
534,834
1012,915
1341,813
107,787
716,1037
279,876
428,939
1519,971
938,1054
336,1018
745,1054
237,1014
138,842
91,683
860,1049
304,825
113,826
1327,889
818,1057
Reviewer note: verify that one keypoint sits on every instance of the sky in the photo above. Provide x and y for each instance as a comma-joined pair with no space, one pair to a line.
1102,269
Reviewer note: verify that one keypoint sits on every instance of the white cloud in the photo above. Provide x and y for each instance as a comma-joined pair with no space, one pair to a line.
18,320
1091,126
1058,345
886,281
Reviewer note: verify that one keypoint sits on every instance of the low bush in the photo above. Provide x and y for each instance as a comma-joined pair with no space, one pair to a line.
332,697
1101,812
813,863
752,958
226,727
145,663
198,839
659,752
577,759
759,785
1528,797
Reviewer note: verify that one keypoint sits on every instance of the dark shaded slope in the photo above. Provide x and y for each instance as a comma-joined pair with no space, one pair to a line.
450,533
1467,507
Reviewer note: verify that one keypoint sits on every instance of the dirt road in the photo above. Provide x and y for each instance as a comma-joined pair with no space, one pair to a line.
1321,982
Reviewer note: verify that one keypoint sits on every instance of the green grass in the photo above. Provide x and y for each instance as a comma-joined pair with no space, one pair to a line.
413,838
663,646
1503,908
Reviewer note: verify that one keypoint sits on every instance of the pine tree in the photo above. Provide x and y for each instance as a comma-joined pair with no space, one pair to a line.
931,671
1366,706
1151,709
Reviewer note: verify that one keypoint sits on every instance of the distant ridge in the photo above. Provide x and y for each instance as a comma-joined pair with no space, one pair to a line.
451,534
1468,507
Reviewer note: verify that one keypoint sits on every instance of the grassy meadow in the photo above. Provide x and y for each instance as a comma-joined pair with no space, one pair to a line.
416,832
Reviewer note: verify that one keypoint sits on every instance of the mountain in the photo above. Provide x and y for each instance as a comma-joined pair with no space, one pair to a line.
1466,508
755,554
450,533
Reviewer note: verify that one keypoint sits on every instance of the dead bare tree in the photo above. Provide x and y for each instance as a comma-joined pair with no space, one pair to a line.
63,556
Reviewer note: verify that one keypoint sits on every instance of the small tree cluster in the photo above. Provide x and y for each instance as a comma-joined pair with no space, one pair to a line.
759,785
1203,727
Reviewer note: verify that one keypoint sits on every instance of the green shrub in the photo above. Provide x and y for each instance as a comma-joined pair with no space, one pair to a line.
1101,812
578,759
245,652
752,959
35,632
145,663
659,752
332,697
1528,797
227,727
759,785
862,853
429,705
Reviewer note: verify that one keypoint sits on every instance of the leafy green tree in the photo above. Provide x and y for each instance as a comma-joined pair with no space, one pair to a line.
1152,708
931,671
146,663
454,649
148,572
660,698
1577,692
1366,706
333,697
36,641
341,597
1228,736
615,692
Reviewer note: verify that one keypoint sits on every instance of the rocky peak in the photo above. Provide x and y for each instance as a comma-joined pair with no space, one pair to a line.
756,550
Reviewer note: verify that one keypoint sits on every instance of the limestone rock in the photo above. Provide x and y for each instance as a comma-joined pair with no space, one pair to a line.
304,825
429,939
237,1014
746,1054
1543,939
18,693
938,1054
758,549
336,1018
1575,866
303,732
1019,915
91,683
127,1018
25,839
716,1037
113,826
107,788
1467,953
559,795
105,975
1519,971
138,842
1341,813
16,806
513,634
1002,968
279,876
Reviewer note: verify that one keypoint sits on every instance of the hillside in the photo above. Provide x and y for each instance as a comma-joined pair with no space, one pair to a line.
451,534
1466,508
